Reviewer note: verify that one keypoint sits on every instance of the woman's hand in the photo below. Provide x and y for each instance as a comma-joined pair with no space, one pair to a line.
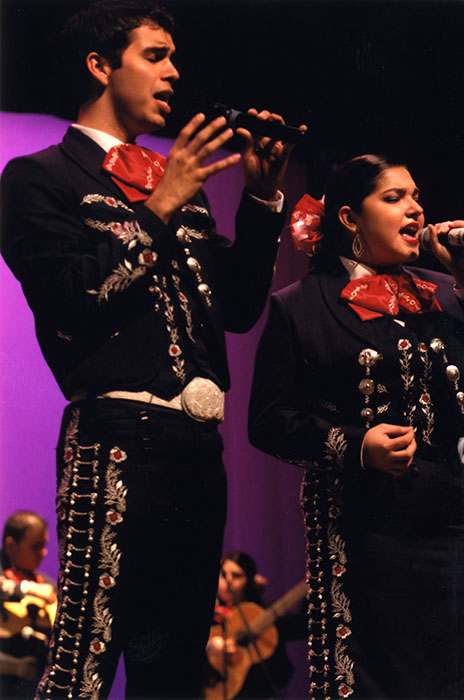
389,448
452,259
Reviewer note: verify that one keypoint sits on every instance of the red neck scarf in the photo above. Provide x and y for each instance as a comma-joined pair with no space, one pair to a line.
17,576
372,297
135,170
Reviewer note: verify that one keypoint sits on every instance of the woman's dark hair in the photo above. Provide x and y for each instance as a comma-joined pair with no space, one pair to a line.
251,591
349,185
16,526
105,27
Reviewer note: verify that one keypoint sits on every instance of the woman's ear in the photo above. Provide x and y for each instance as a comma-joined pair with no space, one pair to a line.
99,68
347,218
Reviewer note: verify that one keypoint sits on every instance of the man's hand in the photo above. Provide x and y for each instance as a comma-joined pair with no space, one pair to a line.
452,260
389,448
218,645
40,590
264,159
185,171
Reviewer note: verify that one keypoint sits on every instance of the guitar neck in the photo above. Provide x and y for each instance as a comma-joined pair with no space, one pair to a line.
278,609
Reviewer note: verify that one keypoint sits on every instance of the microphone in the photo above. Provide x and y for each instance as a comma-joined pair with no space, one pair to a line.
453,239
263,127
28,632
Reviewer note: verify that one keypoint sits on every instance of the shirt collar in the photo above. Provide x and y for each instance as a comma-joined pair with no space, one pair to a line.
356,269
104,140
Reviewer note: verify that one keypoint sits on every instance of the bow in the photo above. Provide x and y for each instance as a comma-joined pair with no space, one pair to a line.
372,297
136,170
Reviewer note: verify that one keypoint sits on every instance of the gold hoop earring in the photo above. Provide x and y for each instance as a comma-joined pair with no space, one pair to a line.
357,246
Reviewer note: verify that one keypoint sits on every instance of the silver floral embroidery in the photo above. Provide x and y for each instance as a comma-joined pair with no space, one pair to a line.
340,603
68,458
128,232
115,496
102,619
175,350
195,208
383,408
344,666
119,280
335,445
116,492
199,235
110,554
407,377
91,683
109,201
183,300
425,399
331,666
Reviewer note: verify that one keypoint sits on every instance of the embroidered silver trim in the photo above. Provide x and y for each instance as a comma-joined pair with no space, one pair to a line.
321,498
195,208
175,351
128,232
183,301
118,281
109,201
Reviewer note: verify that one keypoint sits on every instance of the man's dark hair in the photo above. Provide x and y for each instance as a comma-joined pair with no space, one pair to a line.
105,27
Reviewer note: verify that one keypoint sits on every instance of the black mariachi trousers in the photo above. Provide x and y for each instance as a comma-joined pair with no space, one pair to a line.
141,507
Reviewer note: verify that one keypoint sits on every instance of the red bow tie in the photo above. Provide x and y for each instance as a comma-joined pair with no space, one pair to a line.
136,170
372,297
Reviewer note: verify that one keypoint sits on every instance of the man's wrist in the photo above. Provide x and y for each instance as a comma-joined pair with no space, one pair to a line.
276,204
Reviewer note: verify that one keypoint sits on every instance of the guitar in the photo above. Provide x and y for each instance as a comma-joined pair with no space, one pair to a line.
248,629
30,611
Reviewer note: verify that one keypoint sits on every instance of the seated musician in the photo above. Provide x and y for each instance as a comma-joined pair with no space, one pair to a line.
28,604
246,671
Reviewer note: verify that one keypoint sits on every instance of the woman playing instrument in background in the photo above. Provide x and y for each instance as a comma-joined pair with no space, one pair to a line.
28,604
246,645
358,380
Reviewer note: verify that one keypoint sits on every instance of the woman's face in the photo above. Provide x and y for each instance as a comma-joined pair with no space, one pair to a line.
232,583
390,219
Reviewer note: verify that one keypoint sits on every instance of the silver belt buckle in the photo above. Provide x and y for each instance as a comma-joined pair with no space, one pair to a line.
203,400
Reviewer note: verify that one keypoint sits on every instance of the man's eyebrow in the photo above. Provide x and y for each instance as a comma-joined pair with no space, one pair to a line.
158,50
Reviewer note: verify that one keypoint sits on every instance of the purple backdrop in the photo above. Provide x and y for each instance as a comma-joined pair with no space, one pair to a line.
263,518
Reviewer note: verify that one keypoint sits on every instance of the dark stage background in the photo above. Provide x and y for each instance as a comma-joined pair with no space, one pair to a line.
365,76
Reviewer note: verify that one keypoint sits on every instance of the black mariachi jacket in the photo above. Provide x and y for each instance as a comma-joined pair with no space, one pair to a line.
122,301
310,395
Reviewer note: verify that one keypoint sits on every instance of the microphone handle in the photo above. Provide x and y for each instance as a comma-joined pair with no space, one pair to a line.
275,130
453,239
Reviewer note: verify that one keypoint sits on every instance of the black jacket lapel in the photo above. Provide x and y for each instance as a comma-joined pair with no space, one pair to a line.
89,156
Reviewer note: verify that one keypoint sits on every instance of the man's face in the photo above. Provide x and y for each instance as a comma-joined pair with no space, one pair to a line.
25,556
140,89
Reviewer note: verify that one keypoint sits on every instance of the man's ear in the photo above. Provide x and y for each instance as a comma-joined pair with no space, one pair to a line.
9,543
347,218
99,68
